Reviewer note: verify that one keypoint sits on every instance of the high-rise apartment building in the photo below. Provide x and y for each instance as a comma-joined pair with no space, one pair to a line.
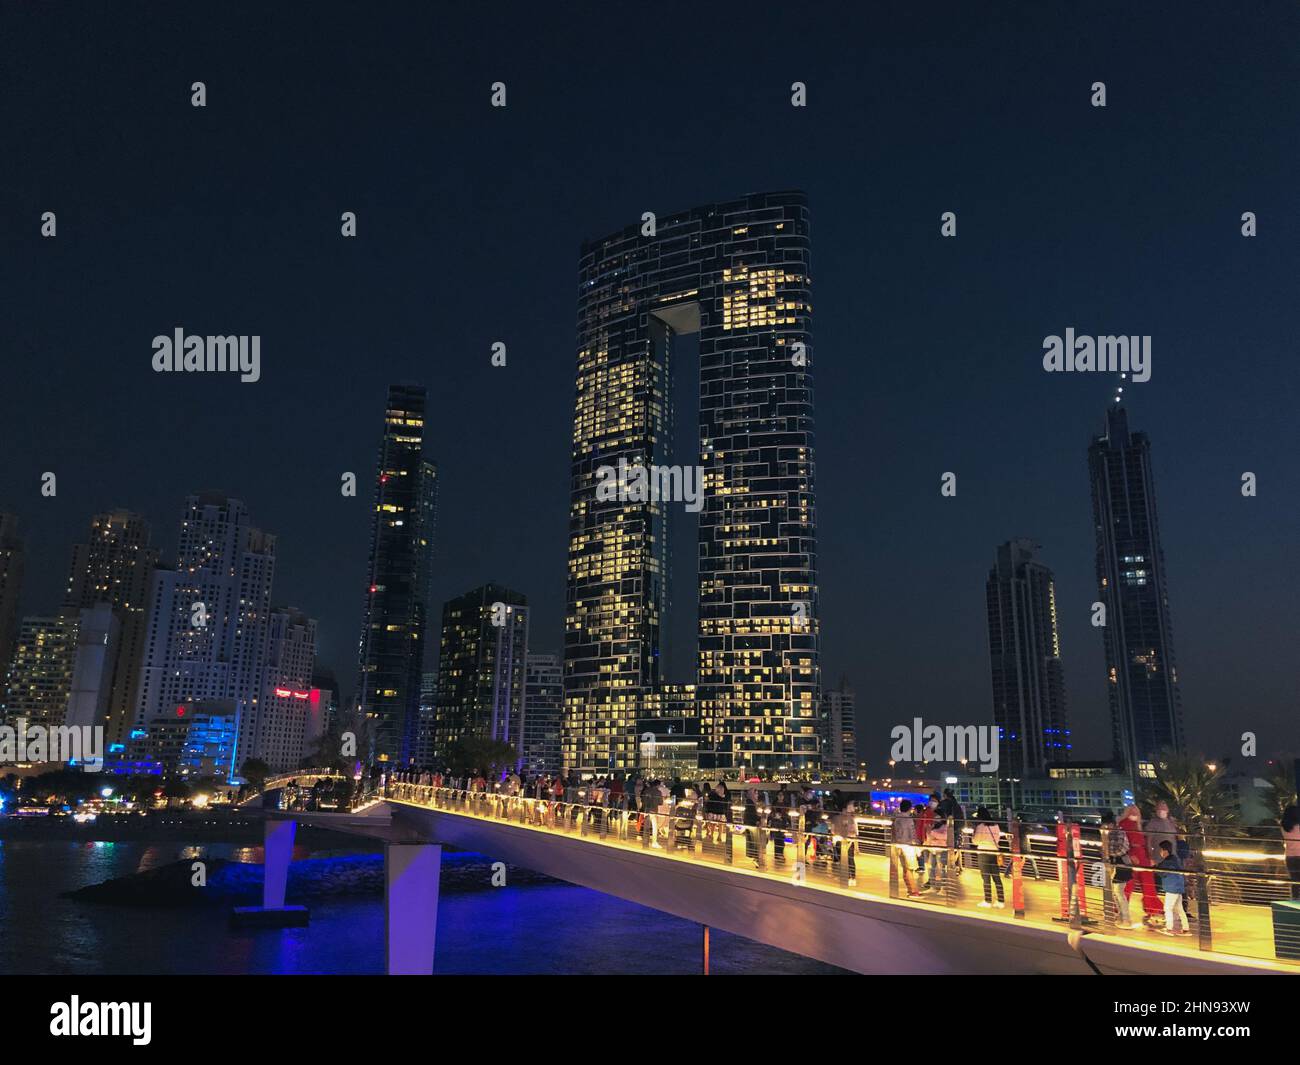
115,565
543,713
737,275
291,716
1142,677
209,618
11,580
324,681
396,607
839,731
481,667
1025,659
95,658
424,752
40,672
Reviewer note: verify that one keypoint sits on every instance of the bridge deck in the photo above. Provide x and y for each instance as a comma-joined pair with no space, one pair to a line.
1239,931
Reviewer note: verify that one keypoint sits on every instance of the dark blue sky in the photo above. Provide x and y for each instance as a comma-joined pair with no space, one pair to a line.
927,351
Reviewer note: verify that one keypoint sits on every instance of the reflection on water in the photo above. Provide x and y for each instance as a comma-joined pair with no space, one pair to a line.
552,929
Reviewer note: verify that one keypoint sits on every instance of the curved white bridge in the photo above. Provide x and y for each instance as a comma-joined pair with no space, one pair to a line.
720,876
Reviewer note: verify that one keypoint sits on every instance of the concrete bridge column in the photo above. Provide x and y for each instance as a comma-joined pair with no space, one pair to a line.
278,847
411,872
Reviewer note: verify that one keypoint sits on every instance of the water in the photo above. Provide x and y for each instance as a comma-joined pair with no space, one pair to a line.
532,929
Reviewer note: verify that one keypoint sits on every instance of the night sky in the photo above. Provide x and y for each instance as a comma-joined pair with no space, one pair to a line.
927,351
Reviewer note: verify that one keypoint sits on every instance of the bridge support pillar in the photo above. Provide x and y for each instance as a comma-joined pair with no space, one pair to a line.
411,872
278,849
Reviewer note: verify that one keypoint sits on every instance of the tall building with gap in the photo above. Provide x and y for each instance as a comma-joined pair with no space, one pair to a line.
395,613
737,276
1025,660
1142,676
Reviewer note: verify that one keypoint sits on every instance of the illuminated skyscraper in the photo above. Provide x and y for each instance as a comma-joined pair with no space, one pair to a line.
543,714
736,274
1142,678
209,619
11,580
1025,659
115,565
40,672
839,731
481,669
396,609
291,716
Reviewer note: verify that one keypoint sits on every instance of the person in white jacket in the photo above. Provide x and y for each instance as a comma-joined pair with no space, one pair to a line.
987,836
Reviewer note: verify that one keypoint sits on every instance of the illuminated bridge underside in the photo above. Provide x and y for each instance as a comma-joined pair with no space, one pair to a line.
855,929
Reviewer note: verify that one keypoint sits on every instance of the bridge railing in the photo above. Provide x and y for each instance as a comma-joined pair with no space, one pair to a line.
1052,876
303,791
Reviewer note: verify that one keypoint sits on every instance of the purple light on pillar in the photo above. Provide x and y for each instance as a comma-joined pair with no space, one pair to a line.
411,872
278,846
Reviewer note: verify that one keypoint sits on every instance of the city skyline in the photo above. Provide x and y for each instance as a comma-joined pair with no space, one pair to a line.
122,528
929,348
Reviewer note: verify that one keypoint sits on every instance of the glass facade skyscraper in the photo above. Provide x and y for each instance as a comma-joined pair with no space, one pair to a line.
839,732
482,660
115,565
543,713
1025,661
737,275
1142,678
396,607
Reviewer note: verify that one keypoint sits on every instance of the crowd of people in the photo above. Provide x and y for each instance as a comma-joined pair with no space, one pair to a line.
931,841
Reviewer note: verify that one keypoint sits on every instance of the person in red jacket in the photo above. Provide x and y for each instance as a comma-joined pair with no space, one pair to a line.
1140,858
924,819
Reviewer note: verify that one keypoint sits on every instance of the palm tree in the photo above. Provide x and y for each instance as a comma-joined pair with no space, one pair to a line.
476,753
1194,789
1281,791
255,771
327,752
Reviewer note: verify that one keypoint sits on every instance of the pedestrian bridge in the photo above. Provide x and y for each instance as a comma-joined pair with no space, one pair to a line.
814,894
301,778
